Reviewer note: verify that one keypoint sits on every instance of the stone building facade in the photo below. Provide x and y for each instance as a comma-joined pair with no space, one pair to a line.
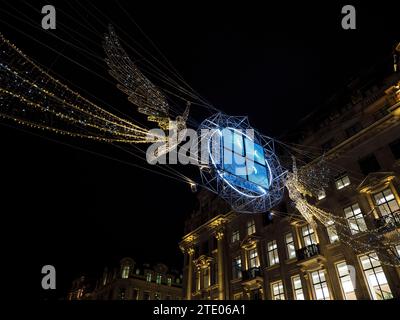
274,256
130,282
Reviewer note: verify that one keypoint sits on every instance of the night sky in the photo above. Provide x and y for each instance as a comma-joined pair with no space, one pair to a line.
80,211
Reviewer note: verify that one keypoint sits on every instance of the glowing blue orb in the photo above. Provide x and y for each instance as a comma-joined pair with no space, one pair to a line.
243,168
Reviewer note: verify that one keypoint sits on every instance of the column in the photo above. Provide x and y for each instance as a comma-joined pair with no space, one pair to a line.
372,205
309,295
220,235
190,252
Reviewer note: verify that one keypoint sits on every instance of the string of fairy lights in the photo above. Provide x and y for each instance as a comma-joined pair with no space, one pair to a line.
32,97
300,185
39,97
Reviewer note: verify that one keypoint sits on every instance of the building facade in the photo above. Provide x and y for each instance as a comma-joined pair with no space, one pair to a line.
274,257
130,282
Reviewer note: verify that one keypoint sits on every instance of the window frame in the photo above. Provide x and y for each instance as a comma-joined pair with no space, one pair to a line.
158,278
255,258
332,232
295,290
235,237
287,244
310,235
344,278
356,218
251,224
320,284
272,252
321,194
373,268
237,267
125,272
281,290
387,212
341,180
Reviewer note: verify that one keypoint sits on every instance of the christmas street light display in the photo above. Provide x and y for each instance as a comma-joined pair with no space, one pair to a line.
243,166
253,182
300,185
32,97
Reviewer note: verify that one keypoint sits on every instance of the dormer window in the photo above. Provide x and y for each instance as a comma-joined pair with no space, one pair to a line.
321,195
125,272
342,181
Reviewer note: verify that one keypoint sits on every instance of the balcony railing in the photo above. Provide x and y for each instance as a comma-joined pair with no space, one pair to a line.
389,222
308,251
251,273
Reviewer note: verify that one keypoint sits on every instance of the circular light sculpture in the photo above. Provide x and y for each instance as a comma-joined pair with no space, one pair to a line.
241,165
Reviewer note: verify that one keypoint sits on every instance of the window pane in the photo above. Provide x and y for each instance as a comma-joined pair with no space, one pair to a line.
277,291
321,290
375,276
346,181
291,251
345,281
258,174
393,205
254,151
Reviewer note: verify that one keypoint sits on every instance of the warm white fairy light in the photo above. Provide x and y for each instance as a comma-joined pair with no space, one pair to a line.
368,240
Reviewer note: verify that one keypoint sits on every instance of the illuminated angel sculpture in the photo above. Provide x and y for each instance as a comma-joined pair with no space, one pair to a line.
140,91
303,184
32,97
297,193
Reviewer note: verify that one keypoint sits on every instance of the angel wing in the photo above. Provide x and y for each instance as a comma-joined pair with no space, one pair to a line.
140,90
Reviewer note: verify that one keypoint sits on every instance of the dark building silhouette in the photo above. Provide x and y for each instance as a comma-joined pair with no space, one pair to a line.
130,282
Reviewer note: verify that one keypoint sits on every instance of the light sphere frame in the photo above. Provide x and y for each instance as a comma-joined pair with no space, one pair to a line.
243,195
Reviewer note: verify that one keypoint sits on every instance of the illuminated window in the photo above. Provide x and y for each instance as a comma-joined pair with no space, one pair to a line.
169,281
251,227
346,283
355,219
388,206
332,233
342,182
376,279
308,234
297,288
253,258
148,277
277,291
290,248
235,236
320,285
321,194
244,159
125,272
272,249
158,279
237,267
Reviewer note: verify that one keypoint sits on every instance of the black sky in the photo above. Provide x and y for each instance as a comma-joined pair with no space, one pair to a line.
80,212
